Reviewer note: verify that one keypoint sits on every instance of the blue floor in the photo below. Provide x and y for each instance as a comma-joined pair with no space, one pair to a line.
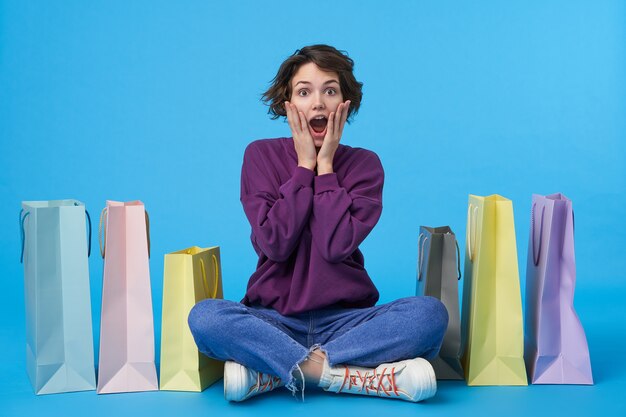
157,100
601,309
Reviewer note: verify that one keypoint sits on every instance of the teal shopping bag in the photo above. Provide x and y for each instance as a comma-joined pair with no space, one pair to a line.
59,338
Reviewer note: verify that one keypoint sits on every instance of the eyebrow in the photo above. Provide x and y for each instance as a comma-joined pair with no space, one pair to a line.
307,82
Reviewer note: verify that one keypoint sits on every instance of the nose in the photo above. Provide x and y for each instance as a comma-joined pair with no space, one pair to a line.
318,102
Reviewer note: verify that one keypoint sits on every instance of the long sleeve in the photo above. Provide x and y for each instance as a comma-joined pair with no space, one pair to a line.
344,214
304,225
277,212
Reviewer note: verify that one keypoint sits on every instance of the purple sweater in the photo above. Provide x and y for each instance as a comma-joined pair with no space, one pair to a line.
306,228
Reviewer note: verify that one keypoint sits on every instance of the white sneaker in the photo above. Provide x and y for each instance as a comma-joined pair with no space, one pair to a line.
241,383
410,380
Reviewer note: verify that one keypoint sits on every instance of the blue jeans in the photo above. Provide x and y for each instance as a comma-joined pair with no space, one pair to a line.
262,339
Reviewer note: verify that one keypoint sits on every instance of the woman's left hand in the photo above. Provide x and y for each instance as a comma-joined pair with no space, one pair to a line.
336,121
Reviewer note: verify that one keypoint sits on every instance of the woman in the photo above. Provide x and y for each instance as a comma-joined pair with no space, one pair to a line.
309,313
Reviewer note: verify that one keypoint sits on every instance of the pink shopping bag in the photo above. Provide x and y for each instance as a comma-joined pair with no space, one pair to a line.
126,361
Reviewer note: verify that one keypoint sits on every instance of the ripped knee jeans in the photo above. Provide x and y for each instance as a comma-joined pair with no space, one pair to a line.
262,339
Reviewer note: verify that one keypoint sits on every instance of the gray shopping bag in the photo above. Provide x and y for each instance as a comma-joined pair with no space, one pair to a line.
59,340
438,272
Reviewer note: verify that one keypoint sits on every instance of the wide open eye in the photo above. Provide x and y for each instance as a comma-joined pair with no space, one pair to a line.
331,91
303,93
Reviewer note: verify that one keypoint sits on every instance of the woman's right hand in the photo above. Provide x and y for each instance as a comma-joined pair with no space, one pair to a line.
305,147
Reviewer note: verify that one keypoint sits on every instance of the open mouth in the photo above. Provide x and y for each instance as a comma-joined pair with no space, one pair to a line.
318,125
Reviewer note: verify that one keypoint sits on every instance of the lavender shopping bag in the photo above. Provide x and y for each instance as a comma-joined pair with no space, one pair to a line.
127,329
556,349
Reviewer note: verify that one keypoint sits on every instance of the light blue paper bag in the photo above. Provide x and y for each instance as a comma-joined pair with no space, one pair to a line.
59,339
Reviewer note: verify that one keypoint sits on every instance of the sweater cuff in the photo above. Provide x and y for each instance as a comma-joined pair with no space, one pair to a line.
303,176
326,182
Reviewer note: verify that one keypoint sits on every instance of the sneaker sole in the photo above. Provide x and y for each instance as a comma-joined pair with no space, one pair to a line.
232,379
428,378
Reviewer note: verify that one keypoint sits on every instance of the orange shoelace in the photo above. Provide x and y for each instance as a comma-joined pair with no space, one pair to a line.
372,381
268,384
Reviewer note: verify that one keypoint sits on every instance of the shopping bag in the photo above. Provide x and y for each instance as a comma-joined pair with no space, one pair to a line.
127,330
556,346
491,323
190,275
59,338
438,272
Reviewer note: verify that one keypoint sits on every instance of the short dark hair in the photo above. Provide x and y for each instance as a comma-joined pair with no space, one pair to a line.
328,59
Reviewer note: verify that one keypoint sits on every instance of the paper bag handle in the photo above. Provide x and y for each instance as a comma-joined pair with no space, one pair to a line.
23,217
102,237
536,256
420,249
147,230
89,235
421,244
458,259
204,278
471,247
23,233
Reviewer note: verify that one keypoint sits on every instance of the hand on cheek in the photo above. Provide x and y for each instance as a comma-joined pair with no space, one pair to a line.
336,122
303,142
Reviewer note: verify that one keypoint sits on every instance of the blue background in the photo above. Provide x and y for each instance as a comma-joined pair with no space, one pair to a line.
156,101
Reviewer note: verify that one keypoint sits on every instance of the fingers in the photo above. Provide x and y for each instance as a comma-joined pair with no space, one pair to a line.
303,122
288,113
298,124
337,120
294,122
341,119
331,125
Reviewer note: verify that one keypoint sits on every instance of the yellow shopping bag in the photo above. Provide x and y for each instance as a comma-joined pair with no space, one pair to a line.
190,275
492,328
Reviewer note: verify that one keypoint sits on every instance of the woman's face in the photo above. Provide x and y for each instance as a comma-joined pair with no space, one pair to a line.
316,93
